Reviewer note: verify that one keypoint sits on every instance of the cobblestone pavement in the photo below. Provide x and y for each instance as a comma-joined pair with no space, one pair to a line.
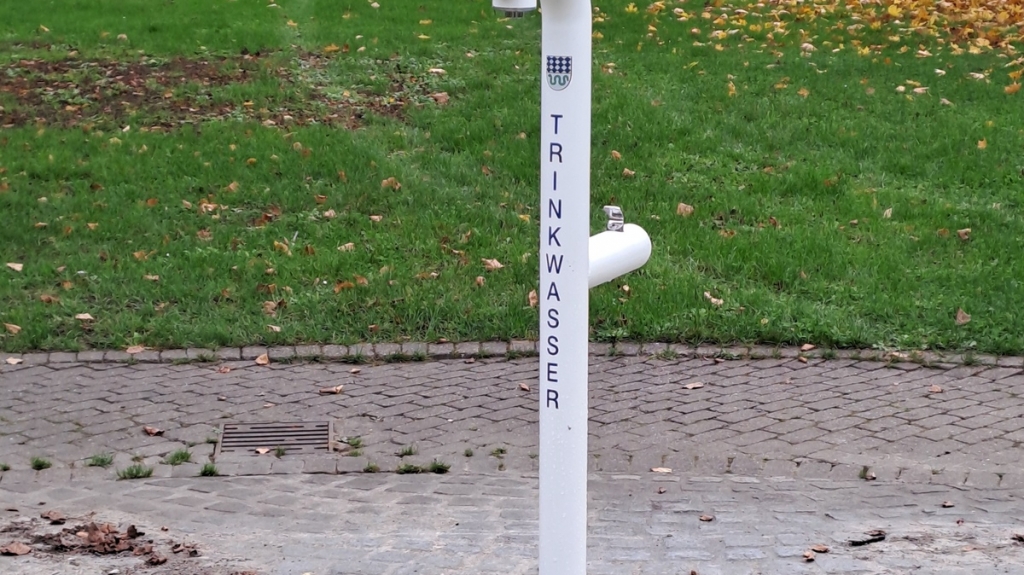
388,524
769,417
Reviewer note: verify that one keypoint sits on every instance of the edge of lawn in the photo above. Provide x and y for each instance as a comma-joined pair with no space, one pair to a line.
469,352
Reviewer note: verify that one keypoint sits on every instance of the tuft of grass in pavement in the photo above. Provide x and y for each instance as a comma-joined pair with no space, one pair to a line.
178,457
103,460
407,468
407,451
137,471
209,470
4,467
39,463
371,468
821,199
468,452
279,452
439,467
499,452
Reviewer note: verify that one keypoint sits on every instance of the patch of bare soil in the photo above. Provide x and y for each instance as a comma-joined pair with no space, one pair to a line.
167,93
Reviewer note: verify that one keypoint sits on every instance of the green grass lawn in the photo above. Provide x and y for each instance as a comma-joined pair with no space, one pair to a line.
197,173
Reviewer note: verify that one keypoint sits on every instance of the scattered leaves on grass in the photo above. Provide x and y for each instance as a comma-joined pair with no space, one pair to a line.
152,431
714,301
376,219
15,266
491,264
532,299
343,285
204,235
440,97
982,144
616,155
684,210
135,349
151,278
332,390
390,183
964,234
1012,88
935,389
803,92
15,548
347,247
84,317
694,385
12,329
330,214
480,281
962,317
628,173
274,328
263,360
661,469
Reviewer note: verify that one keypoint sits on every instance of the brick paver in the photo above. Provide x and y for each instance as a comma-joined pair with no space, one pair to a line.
847,413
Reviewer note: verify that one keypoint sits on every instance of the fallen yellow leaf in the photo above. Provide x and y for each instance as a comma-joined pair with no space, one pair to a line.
12,329
1012,88
15,266
263,360
135,349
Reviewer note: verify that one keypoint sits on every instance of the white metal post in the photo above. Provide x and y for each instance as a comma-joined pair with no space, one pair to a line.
564,267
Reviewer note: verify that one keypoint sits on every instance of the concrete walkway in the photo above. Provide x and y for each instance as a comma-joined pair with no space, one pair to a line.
784,453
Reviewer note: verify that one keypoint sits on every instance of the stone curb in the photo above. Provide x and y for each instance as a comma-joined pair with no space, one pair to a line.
419,351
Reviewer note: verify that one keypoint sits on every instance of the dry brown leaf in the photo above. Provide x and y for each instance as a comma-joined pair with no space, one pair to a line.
15,266
616,155
803,92
440,97
807,347
491,264
714,301
332,390
135,349
40,225
480,281
262,450
727,233
532,298
808,555
204,235
887,214
964,234
1012,88
152,431
391,183
274,328
15,548
338,286
355,370
707,518
282,247
982,143
263,360
347,247
270,308
661,469
319,198
14,360
84,317
947,504
376,219
12,329
330,214
962,317
819,548
694,385
186,204
151,278
934,389
55,517
223,369
628,173
92,226
802,359
524,387
684,210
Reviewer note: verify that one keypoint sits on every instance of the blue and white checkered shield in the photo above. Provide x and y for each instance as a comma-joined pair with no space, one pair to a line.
559,72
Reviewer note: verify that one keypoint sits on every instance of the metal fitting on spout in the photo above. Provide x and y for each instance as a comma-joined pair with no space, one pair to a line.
514,8
616,221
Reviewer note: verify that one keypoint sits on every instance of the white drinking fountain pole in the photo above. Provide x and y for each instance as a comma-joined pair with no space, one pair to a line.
571,262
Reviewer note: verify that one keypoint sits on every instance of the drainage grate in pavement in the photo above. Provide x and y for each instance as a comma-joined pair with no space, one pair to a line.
298,437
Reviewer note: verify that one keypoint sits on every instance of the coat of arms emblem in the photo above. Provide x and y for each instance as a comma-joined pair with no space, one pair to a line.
559,72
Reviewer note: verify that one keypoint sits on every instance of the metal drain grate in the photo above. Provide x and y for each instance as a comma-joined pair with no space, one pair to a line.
300,437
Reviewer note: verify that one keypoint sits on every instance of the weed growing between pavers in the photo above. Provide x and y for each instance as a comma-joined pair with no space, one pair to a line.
209,470
39,463
279,452
178,457
439,467
407,451
468,452
136,471
499,452
4,467
371,468
407,468
103,460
